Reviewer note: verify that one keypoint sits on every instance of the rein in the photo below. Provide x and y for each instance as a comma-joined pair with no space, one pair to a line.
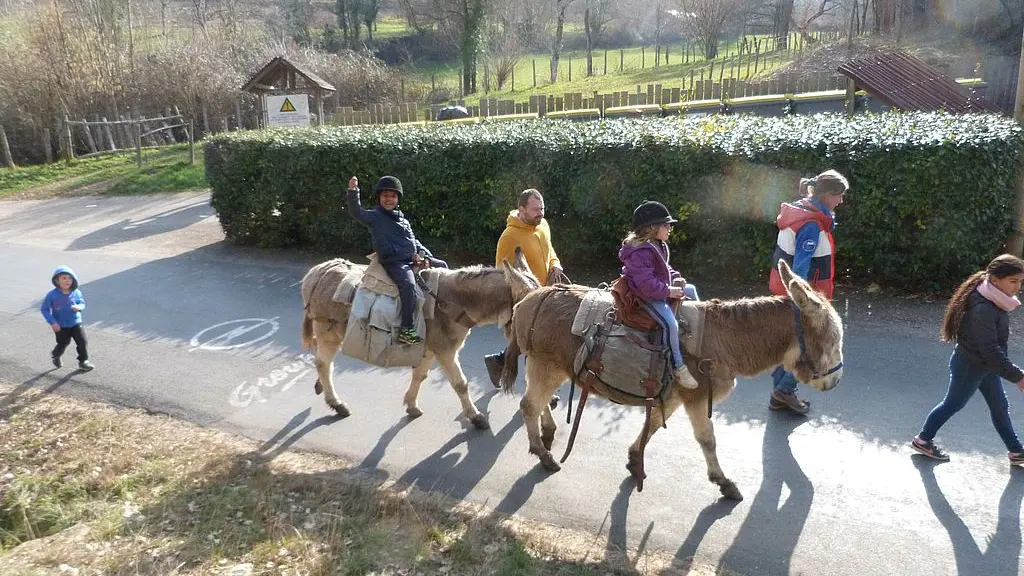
447,307
803,346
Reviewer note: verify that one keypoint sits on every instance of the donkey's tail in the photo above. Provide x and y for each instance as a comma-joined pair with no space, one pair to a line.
510,371
307,331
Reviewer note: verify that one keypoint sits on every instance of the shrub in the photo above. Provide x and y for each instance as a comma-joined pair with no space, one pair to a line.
931,194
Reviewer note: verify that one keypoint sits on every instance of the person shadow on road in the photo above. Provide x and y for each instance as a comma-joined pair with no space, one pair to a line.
1002,556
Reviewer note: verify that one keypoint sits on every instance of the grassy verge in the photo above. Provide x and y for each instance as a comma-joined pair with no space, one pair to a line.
163,170
193,501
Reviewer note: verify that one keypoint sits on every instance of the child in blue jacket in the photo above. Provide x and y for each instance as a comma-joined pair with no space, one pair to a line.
62,308
397,248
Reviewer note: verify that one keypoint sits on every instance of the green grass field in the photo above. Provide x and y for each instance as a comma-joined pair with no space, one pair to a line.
163,170
614,70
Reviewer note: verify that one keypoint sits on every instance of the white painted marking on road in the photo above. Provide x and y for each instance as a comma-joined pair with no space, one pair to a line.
245,393
228,339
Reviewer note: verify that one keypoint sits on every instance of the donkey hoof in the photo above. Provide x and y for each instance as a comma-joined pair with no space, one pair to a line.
342,411
636,472
730,491
549,463
414,412
547,440
480,421
318,387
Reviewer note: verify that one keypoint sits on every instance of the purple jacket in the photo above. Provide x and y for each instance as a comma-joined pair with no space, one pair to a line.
647,271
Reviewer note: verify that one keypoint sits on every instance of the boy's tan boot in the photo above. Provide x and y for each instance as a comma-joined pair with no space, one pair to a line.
684,378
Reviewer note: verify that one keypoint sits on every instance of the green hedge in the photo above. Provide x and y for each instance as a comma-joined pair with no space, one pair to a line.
932,195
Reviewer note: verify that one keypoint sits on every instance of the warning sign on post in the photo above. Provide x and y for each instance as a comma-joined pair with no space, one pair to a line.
290,110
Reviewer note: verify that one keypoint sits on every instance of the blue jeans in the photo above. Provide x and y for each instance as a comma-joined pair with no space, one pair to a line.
662,312
964,379
783,381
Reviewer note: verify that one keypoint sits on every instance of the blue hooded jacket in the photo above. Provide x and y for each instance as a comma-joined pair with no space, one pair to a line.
392,235
56,306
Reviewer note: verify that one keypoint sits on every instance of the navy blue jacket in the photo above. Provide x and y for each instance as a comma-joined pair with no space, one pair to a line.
393,240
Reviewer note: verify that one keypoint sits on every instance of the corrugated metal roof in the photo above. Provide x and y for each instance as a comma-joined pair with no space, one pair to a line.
273,68
905,82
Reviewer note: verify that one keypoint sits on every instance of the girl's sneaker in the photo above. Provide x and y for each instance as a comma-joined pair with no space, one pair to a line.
929,449
85,366
1016,458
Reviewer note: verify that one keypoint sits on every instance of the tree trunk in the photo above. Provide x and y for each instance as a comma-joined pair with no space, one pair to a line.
473,21
556,45
785,16
590,42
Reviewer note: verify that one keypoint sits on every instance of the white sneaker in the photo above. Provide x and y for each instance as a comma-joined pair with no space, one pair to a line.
684,378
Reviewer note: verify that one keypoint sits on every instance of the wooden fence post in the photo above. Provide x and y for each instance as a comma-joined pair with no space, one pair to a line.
110,135
138,143
5,149
47,150
88,137
69,152
191,145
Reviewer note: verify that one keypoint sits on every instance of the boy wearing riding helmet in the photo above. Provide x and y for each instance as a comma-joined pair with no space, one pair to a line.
397,248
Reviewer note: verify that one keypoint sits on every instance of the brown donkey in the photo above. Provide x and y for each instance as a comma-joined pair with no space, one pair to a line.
485,295
741,338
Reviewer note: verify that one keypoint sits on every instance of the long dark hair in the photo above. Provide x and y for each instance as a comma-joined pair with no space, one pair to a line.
1000,267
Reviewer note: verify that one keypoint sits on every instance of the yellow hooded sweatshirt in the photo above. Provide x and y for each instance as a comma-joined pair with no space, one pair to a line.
535,242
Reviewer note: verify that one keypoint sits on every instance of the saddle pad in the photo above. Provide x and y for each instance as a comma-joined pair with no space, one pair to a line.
376,279
346,291
691,326
596,305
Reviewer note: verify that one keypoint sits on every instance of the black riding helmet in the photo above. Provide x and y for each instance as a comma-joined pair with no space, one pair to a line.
651,213
388,183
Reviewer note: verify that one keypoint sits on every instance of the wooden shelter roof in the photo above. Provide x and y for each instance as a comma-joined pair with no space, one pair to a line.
275,75
902,81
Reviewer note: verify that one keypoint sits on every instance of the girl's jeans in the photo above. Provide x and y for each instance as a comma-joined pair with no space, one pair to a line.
964,379
662,312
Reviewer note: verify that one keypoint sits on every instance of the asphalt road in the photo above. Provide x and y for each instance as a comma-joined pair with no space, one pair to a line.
179,322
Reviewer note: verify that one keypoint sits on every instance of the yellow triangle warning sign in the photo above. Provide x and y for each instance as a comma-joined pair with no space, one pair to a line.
287,106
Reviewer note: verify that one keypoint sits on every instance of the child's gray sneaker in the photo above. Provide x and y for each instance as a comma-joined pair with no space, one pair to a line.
85,366
56,361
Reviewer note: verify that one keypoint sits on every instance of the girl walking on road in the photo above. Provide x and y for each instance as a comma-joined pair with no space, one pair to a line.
977,320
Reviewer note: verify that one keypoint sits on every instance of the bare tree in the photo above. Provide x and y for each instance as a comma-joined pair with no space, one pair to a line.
812,12
706,19
556,44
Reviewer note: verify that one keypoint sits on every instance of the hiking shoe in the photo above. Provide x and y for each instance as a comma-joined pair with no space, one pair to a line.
56,361
788,401
409,336
684,378
85,366
1016,458
930,450
495,363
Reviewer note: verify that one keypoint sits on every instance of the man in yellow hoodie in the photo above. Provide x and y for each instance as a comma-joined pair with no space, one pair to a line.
527,229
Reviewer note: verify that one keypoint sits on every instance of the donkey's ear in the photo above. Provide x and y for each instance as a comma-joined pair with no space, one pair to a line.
785,272
521,281
521,259
795,285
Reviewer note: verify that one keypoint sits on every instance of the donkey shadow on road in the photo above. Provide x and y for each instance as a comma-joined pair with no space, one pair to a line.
770,532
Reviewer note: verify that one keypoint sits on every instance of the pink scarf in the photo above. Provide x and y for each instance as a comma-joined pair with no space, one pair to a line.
997,296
